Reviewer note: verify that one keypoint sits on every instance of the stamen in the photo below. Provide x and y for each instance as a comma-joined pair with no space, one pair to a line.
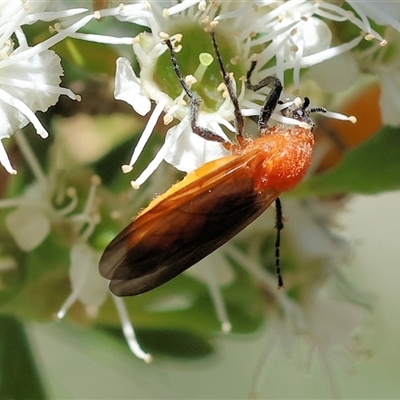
218,300
71,193
157,160
76,289
261,363
168,117
103,38
202,5
30,157
129,332
38,86
53,15
190,80
179,7
88,215
145,135
163,35
24,109
96,182
8,203
74,295
254,269
5,161
46,44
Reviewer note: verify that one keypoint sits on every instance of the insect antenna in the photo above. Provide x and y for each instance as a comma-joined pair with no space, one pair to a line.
273,96
194,103
278,226
231,90
317,109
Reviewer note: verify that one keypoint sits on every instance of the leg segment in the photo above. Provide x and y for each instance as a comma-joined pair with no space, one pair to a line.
193,102
272,99
279,227
231,90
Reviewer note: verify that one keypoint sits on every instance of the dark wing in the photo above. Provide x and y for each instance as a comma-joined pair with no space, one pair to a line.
183,228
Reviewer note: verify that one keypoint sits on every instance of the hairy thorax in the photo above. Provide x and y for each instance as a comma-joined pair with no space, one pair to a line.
283,157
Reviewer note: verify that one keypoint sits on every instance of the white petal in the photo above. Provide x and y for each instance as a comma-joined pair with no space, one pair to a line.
171,302
336,74
390,96
189,151
127,87
129,332
29,227
222,270
382,12
85,278
34,82
4,160
10,120
24,80
322,241
333,323
315,36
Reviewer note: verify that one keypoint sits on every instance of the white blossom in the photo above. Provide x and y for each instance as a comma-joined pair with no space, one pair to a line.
29,76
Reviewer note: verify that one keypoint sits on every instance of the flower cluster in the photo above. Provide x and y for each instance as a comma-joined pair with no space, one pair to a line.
316,48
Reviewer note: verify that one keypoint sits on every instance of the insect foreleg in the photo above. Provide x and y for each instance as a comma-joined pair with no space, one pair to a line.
193,102
272,99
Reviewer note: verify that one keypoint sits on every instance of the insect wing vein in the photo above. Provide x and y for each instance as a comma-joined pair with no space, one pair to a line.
183,228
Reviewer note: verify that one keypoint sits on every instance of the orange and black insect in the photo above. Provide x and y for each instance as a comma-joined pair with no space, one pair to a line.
216,201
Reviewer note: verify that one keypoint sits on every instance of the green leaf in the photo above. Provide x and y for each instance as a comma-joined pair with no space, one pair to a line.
19,377
174,343
372,167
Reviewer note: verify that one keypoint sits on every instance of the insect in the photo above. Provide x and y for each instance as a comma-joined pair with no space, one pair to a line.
216,201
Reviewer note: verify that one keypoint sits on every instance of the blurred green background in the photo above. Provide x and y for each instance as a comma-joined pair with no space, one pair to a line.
87,365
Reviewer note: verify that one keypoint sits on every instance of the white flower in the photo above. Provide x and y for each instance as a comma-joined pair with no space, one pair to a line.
328,329
381,12
87,285
306,314
29,76
215,271
182,148
289,33
281,36
127,87
30,222
385,63
91,290
380,59
390,99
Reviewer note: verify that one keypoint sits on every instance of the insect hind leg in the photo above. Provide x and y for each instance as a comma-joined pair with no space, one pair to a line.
272,99
278,226
194,103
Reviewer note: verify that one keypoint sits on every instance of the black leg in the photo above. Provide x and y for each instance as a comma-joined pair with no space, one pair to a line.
194,103
279,227
231,90
272,99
